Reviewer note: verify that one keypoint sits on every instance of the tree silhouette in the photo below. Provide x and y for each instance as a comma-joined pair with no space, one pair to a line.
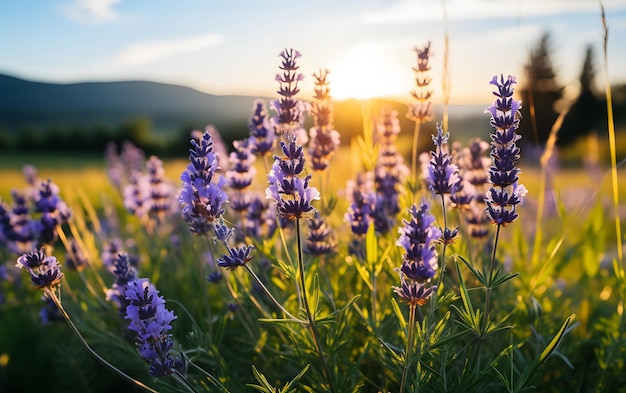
584,114
539,94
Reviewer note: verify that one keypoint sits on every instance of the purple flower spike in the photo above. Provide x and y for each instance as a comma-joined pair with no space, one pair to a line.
421,111
505,193
290,110
238,256
413,292
151,321
262,136
324,139
442,177
201,198
292,194
418,237
45,271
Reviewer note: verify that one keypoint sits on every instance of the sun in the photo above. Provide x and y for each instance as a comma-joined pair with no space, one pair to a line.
368,71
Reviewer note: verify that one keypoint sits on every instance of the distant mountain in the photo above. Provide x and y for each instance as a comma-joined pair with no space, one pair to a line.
45,107
36,104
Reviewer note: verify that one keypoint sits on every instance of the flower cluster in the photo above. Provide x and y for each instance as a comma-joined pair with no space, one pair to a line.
420,111
44,270
419,262
120,167
151,321
473,169
390,171
125,270
362,198
319,240
441,176
292,194
324,139
76,257
22,233
240,175
262,135
202,198
289,110
149,195
505,192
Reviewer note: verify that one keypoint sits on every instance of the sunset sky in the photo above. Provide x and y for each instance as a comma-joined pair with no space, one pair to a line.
232,47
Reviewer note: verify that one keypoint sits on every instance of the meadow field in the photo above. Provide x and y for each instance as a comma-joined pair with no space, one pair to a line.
281,264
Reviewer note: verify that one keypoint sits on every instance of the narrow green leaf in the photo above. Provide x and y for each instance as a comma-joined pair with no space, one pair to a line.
502,277
398,312
287,387
532,368
479,276
364,273
371,246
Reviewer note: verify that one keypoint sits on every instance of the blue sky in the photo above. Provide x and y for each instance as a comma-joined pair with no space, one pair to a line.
232,47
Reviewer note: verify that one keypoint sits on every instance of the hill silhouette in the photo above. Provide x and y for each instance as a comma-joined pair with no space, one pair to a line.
79,114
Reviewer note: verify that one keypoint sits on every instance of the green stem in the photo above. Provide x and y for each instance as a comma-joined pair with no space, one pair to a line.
309,314
183,380
57,302
269,294
211,378
409,346
612,143
490,281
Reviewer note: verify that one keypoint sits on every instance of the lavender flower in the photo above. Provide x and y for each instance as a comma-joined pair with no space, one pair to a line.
125,270
54,211
75,258
390,171
324,139
290,110
237,256
362,198
262,136
442,177
151,321
319,240
240,175
150,196
292,194
260,218
419,264
202,198
44,270
417,237
421,110
110,252
505,192
19,231
413,292
473,169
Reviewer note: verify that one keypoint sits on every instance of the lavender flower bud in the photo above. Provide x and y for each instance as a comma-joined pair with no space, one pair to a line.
442,177
202,198
262,136
151,321
45,271
324,139
292,194
505,193
421,111
290,110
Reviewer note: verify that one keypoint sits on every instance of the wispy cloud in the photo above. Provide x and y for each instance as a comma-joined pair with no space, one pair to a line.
146,52
91,11
409,11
